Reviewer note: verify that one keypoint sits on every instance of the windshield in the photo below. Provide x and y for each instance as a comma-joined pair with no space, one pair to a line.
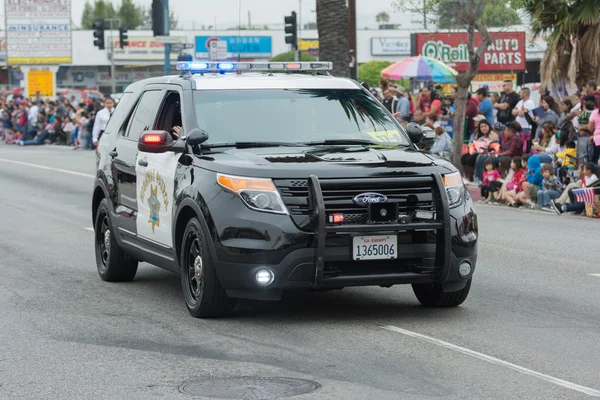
295,115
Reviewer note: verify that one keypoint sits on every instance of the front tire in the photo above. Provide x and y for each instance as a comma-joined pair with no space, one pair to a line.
112,262
204,296
432,295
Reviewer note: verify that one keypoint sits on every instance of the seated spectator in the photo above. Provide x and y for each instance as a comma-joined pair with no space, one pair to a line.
548,145
443,143
550,188
512,146
479,146
534,182
590,180
515,186
491,182
575,184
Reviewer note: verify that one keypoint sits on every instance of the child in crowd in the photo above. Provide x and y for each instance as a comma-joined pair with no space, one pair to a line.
577,182
590,179
566,163
515,186
551,187
534,182
491,183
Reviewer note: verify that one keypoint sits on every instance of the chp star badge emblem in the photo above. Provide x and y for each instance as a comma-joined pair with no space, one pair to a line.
154,205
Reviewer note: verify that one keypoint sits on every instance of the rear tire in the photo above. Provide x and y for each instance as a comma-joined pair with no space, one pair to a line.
432,295
204,296
112,262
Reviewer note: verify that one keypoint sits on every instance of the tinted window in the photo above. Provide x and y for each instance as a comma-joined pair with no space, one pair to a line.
121,111
294,116
144,114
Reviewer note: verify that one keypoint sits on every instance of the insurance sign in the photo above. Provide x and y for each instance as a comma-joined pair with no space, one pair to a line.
38,32
245,46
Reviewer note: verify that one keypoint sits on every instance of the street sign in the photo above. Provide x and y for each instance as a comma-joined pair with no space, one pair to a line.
40,81
168,39
217,50
175,48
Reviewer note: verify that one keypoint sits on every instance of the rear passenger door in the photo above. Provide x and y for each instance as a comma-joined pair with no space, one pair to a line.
126,151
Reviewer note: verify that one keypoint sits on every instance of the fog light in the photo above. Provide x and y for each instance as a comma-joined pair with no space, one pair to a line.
264,277
464,269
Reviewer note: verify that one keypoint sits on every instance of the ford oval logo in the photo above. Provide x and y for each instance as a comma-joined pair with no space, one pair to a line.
364,199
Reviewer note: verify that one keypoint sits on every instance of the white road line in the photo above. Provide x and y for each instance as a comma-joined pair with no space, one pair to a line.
89,228
497,361
598,275
64,171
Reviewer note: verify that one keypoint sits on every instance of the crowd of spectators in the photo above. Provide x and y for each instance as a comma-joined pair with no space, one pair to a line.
65,122
517,152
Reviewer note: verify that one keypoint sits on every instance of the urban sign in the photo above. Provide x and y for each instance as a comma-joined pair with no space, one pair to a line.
38,32
245,46
506,53
390,46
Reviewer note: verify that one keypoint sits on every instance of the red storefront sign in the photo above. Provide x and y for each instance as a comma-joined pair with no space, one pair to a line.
506,53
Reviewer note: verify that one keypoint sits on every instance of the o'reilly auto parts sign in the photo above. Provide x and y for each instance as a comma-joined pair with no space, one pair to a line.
506,53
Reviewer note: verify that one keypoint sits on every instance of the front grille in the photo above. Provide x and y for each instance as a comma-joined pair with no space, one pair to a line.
341,268
338,196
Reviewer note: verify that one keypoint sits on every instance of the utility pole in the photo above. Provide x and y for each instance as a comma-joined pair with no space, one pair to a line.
352,39
111,51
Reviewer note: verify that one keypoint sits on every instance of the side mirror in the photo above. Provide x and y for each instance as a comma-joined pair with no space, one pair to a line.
196,136
158,142
415,132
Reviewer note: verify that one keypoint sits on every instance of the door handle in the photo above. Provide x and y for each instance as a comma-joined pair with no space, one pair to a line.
113,153
143,163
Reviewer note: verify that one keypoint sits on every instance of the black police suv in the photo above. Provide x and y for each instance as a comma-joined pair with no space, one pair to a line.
248,184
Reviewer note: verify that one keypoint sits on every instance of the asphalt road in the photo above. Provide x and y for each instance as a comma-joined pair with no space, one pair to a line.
530,328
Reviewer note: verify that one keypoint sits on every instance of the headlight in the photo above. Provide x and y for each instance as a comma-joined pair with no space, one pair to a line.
454,188
257,193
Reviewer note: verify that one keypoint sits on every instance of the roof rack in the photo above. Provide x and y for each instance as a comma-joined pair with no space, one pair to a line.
189,67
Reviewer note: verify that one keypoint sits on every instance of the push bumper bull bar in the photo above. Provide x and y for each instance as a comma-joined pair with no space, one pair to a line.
441,225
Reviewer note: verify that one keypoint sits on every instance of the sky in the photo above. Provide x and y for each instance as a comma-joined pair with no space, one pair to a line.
195,13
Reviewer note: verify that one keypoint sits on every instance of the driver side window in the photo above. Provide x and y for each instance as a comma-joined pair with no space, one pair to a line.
169,118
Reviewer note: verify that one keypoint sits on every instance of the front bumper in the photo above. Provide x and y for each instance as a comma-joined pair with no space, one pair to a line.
321,258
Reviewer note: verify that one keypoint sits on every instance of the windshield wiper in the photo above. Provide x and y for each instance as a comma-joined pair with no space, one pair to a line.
247,145
362,142
340,142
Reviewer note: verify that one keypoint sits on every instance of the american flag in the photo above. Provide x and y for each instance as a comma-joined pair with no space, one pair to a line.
586,196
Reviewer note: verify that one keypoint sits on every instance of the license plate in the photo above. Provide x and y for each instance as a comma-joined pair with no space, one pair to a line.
382,247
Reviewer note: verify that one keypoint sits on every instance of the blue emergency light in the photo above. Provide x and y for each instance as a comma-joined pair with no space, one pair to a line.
223,67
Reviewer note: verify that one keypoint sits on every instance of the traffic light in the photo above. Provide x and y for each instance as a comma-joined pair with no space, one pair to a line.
159,19
123,37
291,28
99,33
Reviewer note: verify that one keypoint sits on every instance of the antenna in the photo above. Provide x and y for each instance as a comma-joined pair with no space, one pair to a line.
240,30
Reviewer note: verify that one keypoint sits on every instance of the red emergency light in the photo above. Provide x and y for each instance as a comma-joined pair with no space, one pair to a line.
153,138
336,218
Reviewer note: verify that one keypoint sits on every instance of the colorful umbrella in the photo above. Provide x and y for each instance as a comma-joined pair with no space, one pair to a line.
422,69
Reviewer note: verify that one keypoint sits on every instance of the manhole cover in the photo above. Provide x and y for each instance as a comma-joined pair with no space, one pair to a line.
249,387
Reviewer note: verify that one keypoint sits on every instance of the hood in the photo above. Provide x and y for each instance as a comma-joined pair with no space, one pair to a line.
533,164
324,161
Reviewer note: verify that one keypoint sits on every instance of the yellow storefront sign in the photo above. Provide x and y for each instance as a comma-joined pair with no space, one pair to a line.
38,61
494,77
40,81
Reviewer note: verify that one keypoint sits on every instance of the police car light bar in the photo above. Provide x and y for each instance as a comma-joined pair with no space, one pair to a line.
222,67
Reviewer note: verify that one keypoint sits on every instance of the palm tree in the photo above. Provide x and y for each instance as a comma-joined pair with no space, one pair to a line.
382,17
572,30
332,23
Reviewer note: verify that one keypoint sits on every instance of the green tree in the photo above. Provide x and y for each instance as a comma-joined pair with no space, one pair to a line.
382,17
131,16
334,46
289,57
87,18
103,9
467,12
173,20
370,72
572,30
492,14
